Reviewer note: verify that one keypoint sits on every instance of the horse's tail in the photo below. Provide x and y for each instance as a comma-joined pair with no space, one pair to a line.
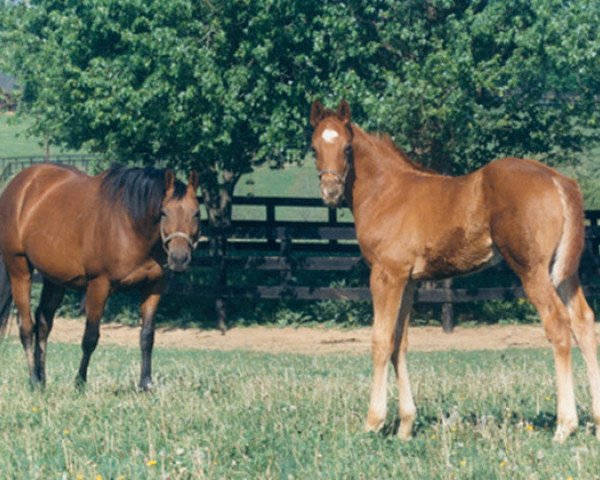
570,246
5,296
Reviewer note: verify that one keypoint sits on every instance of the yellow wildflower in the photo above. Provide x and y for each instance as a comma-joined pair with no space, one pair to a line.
151,463
463,462
503,463
529,427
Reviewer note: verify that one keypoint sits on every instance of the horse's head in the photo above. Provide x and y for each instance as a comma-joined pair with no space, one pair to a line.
332,145
180,221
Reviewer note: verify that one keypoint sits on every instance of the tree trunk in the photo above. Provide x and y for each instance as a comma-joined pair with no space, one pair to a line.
218,199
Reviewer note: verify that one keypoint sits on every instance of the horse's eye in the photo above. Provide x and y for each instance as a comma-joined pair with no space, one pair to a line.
163,214
348,150
197,215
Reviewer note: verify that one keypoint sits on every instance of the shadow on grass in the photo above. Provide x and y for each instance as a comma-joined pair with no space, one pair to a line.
543,421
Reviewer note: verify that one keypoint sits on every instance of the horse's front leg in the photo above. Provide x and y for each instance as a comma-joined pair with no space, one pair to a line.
95,299
387,289
151,294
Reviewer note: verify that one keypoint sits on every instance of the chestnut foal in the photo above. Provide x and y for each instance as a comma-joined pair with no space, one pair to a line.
413,224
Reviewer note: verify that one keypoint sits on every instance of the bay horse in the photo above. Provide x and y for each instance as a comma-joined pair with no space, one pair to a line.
102,233
414,224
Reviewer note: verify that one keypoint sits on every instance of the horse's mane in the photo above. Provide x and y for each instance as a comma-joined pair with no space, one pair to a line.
138,191
389,143
386,141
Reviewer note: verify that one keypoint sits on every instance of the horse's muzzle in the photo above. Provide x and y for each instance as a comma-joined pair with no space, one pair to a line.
179,260
332,193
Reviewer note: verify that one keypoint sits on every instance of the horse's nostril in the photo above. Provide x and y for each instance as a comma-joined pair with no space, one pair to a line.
180,257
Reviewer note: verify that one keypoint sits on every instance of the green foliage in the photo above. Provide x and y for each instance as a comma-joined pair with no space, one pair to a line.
245,415
226,86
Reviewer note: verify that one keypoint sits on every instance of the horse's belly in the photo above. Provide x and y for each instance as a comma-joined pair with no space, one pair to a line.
448,263
57,262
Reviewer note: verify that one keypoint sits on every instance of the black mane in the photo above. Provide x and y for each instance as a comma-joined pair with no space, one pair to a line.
139,191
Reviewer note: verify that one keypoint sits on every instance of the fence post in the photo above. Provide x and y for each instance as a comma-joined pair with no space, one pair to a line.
448,308
332,218
270,204
285,249
218,247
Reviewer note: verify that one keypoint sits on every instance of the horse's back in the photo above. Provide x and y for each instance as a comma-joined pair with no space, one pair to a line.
32,186
45,213
526,186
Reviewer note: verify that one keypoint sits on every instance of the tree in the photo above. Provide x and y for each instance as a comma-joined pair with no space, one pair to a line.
459,83
220,87
226,86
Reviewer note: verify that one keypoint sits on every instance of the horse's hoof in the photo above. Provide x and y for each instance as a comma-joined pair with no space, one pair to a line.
37,384
80,383
405,433
146,386
374,425
564,431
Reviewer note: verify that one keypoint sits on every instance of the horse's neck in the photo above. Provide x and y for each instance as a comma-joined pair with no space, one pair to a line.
377,164
143,238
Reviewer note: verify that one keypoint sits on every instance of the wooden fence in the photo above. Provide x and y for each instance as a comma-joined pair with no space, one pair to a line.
10,166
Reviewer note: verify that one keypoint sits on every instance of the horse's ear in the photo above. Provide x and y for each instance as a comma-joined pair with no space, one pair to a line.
193,181
343,111
169,181
316,113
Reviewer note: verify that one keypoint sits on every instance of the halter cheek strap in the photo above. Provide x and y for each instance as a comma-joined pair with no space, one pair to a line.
167,238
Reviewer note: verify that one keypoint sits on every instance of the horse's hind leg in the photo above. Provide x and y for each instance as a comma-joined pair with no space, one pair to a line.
582,326
95,299
50,300
406,404
20,281
555,318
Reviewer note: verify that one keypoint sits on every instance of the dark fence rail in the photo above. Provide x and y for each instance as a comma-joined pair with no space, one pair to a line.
10,166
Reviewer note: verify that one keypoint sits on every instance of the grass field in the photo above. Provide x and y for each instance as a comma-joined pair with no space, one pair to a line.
14,142
482,415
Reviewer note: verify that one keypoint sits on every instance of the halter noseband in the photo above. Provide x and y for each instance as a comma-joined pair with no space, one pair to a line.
340,176
167,238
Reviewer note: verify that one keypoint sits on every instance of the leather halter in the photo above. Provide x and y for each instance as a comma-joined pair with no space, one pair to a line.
167,238
340,176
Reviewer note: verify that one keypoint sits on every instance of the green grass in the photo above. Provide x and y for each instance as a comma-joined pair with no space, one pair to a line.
248,415
14,141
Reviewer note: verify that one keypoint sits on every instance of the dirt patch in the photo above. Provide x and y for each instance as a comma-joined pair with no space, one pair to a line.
309,340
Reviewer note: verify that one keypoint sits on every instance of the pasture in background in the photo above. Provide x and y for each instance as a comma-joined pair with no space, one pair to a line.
248,415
